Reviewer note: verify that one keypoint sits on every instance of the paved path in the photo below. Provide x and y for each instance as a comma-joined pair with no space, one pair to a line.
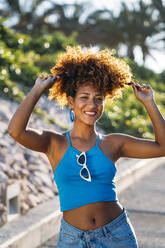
145,203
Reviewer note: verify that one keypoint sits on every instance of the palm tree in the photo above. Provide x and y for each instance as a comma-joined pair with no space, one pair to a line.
69,22
30,21
131,27
26,17
160,7
100,28
137,25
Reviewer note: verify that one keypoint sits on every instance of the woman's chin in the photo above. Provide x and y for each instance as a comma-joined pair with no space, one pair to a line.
90,122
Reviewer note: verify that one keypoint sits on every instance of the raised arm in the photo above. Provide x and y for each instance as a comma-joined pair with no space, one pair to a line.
144,148
18,126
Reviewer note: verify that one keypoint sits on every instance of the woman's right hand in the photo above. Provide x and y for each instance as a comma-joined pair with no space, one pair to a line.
45,82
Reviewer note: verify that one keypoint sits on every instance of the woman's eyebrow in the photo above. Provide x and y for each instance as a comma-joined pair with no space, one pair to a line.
85,93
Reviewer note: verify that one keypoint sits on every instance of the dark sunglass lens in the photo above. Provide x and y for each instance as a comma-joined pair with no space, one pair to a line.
84,173
81,159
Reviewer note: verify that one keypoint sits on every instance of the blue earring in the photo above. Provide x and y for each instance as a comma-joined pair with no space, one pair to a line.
71,114
106,118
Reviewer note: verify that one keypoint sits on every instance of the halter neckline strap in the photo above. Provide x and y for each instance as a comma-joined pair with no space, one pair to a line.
70,144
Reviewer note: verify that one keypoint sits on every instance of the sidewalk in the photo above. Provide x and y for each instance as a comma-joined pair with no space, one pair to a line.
42,223
145,202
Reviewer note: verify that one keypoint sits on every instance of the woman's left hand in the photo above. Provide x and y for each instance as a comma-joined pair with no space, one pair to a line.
143,92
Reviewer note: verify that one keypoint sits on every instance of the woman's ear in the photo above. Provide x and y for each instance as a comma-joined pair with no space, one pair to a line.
70,102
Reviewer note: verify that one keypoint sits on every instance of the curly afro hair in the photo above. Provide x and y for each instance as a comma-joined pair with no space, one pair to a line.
106,72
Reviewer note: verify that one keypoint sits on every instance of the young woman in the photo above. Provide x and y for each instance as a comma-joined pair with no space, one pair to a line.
83,160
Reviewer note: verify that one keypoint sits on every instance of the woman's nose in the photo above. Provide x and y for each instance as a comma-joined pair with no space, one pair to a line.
92,102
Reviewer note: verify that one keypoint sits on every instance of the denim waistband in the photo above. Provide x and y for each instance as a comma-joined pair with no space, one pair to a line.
106,228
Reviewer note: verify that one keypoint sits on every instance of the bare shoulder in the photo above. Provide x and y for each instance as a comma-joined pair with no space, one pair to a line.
57,148
115,139
111,145
57,139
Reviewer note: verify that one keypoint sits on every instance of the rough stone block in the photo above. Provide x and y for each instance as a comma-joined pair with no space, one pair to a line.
13,201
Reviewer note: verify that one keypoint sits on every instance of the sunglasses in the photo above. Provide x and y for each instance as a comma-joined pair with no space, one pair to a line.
84,172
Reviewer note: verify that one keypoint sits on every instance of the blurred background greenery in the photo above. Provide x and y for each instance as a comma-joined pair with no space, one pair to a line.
33,33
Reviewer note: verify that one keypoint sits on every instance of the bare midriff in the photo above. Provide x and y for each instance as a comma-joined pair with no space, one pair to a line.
94,215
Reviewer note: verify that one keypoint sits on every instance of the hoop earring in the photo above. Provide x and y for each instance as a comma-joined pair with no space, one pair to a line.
106,119
71,114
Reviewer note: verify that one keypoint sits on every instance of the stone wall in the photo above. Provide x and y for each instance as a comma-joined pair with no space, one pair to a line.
17,163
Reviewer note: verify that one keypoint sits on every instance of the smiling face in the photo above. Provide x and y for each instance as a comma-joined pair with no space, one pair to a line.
87,105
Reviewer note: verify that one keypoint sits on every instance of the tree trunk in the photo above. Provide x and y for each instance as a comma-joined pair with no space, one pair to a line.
130,53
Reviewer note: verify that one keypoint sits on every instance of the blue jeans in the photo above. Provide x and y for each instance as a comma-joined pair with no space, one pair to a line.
118,233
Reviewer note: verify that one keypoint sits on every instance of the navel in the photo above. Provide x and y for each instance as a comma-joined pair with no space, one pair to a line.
93,220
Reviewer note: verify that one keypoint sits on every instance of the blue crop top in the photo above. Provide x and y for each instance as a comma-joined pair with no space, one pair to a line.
73,190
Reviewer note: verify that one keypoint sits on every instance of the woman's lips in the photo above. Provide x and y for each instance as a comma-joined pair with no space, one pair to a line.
90,113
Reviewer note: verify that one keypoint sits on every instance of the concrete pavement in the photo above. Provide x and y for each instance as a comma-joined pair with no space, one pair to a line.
145,202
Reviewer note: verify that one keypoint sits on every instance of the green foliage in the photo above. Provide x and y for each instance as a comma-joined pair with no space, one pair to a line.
140,72
23,57
128,115
145,75
50,44
9,88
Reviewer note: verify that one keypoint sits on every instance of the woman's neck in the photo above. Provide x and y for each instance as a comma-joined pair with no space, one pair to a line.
83,131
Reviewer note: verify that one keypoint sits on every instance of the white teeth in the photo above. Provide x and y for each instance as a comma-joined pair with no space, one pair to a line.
90,113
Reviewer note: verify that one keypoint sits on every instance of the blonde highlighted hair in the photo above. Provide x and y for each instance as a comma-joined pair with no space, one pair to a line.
106,72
